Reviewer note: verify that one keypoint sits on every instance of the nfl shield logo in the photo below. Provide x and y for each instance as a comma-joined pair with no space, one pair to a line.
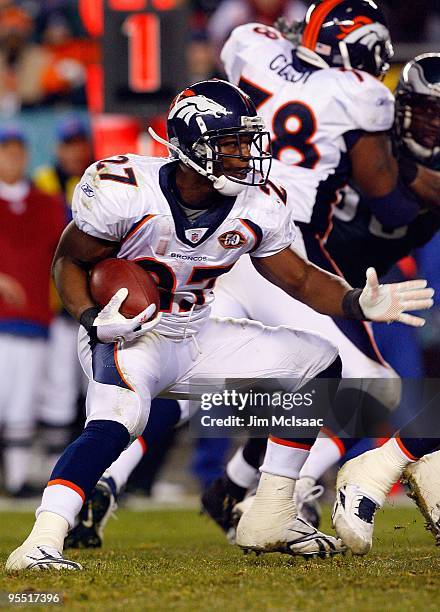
194,235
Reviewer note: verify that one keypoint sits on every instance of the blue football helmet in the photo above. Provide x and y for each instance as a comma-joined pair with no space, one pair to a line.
199,120
351,34
417,117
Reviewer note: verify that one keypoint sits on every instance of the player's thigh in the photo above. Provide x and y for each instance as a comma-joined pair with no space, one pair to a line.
249,350
124,378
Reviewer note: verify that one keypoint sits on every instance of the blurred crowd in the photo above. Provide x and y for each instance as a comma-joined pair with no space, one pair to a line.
44,56
45,51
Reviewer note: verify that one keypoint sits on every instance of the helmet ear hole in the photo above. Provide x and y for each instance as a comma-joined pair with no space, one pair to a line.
200,150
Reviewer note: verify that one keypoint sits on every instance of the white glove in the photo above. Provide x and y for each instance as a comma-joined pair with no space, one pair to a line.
112,326
388,303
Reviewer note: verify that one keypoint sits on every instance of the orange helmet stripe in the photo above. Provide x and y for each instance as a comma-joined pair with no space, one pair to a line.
311,31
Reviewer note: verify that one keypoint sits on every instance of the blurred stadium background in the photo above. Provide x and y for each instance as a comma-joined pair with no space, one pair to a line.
81,80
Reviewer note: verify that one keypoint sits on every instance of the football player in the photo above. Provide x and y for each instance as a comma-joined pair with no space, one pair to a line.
327,111
356,240
208,206
364,482
417,135
351,107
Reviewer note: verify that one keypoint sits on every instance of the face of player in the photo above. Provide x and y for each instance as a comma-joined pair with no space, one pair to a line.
235,154
425,124
74,156
13,161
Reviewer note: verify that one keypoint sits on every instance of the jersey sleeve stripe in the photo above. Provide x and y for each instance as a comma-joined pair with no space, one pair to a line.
137,227
255,231
311,31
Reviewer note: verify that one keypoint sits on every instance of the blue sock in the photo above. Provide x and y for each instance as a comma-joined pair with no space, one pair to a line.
85,460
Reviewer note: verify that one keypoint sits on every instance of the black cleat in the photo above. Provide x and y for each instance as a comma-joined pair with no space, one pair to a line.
97,509
218,503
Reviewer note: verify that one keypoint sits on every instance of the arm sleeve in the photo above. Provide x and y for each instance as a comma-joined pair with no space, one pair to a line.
232,55
367,103
280,235
104,209
397,208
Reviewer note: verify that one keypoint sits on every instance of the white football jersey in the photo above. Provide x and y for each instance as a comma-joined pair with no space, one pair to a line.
131,199
311,114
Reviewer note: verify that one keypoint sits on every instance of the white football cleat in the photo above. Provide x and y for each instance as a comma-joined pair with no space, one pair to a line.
423,480
362,485
269,523
37,558
353,518
307,492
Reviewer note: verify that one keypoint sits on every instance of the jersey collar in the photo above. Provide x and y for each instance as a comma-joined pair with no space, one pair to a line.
211,219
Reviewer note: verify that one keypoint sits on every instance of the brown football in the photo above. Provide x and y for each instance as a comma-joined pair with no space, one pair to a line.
110,275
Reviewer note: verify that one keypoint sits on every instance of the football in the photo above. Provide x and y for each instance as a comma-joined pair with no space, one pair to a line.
110,275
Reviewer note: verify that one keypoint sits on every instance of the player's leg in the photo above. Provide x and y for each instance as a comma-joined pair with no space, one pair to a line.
423,480
364,482
241,475
256,352
22,368
243,288
102,502
60,385
121,382
376,386
273,512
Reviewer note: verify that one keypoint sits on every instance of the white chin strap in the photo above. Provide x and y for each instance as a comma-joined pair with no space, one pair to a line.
221,183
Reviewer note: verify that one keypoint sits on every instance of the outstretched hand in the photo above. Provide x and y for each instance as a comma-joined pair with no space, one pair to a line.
390,302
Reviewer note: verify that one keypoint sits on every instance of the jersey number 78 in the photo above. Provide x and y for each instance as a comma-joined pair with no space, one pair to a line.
300,138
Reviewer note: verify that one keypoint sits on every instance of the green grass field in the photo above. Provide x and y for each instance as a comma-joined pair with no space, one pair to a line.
164,560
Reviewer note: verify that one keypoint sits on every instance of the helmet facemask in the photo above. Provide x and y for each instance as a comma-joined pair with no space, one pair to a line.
417,126
213,128
249,144
375,61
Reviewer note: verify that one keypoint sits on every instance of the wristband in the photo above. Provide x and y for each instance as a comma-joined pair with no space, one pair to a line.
351,306
87,319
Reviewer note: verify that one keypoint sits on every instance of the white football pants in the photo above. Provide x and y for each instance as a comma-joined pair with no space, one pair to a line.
124,379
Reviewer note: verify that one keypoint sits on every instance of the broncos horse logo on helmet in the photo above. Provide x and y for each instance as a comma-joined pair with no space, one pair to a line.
188,106
199,120
417,117
351,34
